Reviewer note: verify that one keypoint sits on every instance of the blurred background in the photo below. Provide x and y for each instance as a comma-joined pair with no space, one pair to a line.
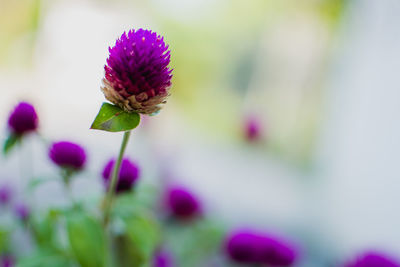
283,114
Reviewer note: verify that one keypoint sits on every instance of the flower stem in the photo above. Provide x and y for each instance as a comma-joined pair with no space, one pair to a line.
114,178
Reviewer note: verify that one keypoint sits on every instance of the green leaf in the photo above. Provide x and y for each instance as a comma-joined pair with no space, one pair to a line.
44,258
87,240
112,118
4,239
11,141
136,247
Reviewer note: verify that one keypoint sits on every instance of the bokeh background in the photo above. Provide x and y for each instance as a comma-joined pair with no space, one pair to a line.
319,76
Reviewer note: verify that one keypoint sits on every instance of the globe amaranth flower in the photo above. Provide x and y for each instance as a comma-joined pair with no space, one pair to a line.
249,247
68,155
373,259
5,194
23,119
137,76
162,259
7,260
252,129
182,203
22,211
128,175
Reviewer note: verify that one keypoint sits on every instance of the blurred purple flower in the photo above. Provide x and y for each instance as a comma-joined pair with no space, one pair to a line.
252,129
5,194
22,211
67,155
182,203
137,77
7,260
162,259
23,119
373,259
246,246
128,174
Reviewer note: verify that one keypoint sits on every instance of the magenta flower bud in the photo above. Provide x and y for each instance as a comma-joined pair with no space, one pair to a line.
22,211
7,260
5,194
182,203
373,259
67,155
128,175
137,77
252,129
249,247
162,259
23,119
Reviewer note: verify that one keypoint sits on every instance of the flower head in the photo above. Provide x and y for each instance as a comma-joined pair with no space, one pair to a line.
373,259
22,211
252,129
137,77
162,259
5,194
128,174
246,246
23,119
7,260
67,155
182,203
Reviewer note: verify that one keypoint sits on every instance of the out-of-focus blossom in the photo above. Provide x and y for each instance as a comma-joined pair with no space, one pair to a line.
22,211
5,194
128,174
137,77
162,259
252,129
68,155
182,203
23,119
373,259
249,247
7,260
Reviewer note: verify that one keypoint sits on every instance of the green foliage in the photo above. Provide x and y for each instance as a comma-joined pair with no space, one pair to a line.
87,239
11,141
112,118
136,246
45,258
4,239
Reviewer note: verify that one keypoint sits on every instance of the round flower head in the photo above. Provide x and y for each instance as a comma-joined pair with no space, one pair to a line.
373,259
128,175
252,129
67,155
5,194
22,211
137,77
246,246
23,119
182,203
162,259
7,260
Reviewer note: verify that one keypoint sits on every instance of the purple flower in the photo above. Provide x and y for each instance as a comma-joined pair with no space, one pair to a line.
137,77
23,119
182,203
252,129
67,155
5,194
246,246
7,260
128,174
22,211
373,259
162,259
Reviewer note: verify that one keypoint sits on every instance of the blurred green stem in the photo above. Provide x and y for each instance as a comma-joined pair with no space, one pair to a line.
114,178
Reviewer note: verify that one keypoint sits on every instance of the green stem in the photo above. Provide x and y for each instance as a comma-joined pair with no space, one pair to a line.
114,178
